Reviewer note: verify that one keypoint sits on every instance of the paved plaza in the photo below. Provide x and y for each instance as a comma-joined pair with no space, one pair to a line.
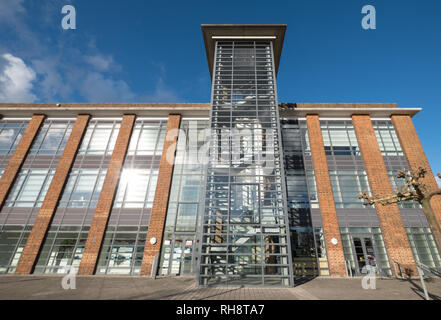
35,287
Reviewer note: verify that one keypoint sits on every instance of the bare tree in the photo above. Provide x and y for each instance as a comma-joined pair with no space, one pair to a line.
413,190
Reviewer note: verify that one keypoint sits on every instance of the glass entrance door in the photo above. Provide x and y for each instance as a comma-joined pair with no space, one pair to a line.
364,253
177,256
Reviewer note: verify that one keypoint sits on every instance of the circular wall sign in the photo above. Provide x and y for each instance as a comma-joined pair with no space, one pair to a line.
153,240
334,241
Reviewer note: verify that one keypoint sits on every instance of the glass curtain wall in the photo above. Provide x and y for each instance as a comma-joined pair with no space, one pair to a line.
393,156
245,230
11,132
419,235
67,235
124,240
27,194
362,238
179,248
303,245
423,247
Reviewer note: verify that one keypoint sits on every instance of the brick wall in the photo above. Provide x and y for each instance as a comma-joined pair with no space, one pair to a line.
107,195
47,210
160,204
19,156
416,157
331,228
392,227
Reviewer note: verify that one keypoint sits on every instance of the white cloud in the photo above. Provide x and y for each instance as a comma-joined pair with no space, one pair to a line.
100,62
162,93
9,9
98,88
65,66
51,84
16,80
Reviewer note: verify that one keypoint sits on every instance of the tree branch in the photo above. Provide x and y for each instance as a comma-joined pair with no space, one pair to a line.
434,193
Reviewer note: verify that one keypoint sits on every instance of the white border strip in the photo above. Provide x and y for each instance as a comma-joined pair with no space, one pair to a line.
61,119
330,119
151,118
105,119
16,119
192,118
243,37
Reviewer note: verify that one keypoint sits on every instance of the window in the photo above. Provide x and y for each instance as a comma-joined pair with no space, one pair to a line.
11,132
30,188
347,185
339,138
32,183
397,184
136,187
52,137
423,247
100,138
124,240
244,203
387,138
186,219
83,188
66,238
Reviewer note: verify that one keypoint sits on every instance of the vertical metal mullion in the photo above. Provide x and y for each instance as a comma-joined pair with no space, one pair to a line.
62,138
282,175
228,233
205,176
262,242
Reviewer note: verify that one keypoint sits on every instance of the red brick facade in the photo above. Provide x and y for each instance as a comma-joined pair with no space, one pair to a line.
331,228
19,156
47,210
416,157
160,204
105,202
392,227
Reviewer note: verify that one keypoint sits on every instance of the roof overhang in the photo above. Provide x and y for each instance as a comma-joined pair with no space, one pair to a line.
349,112
213,32
104,109
331,110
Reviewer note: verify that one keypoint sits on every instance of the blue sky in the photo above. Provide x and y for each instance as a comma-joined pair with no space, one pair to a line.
152,51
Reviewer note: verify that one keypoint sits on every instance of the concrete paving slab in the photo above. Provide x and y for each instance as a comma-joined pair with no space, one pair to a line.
45,287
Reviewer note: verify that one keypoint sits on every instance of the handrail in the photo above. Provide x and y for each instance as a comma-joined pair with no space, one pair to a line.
431,270
420,273
421,267
395,263
348,268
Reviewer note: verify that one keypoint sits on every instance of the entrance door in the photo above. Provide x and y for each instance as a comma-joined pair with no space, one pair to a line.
178,256
364,253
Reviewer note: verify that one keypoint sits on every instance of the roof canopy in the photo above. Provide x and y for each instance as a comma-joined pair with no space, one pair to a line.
248,31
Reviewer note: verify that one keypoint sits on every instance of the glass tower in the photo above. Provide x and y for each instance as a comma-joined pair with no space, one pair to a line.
245,233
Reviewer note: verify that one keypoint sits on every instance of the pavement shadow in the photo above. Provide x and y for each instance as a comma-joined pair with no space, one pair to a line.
299,280
420,291
20,280
184,292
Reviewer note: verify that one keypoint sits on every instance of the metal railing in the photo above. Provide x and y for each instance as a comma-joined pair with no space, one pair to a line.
395,264
348,268
155,266
421,268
